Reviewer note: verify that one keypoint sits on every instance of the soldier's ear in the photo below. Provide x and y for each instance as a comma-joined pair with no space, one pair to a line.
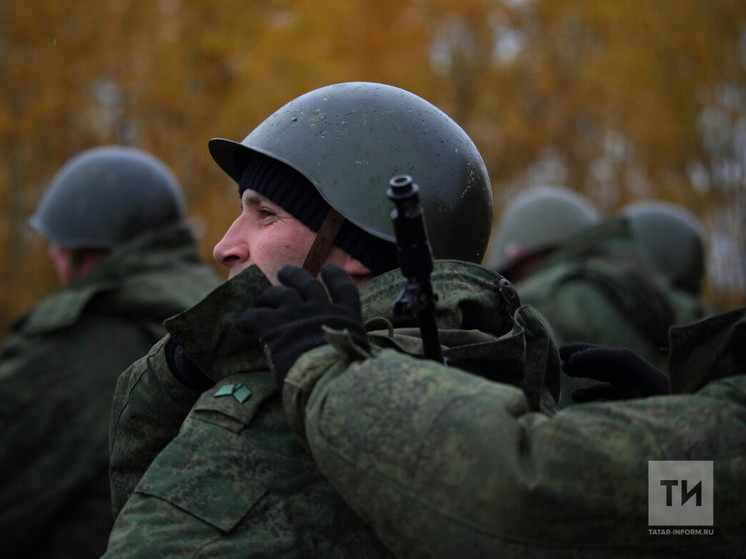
359,272
62,260
354,267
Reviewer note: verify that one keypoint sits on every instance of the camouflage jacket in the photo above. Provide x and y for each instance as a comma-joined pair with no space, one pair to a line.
222,474
601,288
57,374
446,464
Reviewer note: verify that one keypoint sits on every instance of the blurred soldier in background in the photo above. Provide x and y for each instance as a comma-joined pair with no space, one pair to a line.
203,457
126,260
536,223
587,276
673,238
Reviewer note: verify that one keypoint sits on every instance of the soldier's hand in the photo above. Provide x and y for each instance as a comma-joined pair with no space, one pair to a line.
622,373
288,317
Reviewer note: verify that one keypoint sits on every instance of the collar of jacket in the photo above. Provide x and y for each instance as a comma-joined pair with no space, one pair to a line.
470,297
707,350
207,331
152,251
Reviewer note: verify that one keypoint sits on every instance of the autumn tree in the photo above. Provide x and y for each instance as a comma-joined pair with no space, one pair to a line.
618,99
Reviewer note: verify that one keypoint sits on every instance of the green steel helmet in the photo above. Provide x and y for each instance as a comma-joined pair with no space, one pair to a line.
673,238
542,217
350,139
107,195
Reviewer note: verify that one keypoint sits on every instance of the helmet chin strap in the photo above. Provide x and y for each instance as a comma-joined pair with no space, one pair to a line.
323,242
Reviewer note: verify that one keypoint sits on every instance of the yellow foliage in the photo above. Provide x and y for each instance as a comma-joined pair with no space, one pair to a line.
618,99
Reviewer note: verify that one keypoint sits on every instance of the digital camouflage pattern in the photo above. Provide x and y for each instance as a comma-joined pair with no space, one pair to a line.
442,463
234,480
150,404
57,374
219,474
599,287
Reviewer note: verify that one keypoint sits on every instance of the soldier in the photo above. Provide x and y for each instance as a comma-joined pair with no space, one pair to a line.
673,238
126,260
535,223
203,459
442,463
587,276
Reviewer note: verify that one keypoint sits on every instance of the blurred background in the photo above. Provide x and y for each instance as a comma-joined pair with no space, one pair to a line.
617,99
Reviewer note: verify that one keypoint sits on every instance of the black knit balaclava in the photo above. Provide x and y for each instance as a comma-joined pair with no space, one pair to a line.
295,194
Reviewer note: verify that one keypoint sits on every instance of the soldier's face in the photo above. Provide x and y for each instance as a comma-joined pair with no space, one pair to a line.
264,234
62,260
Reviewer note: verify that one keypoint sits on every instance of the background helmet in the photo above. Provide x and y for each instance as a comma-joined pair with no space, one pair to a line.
349,139
540,218
673,238
107,195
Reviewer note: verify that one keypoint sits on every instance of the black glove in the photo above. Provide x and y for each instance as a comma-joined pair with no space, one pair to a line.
288,317
623,374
